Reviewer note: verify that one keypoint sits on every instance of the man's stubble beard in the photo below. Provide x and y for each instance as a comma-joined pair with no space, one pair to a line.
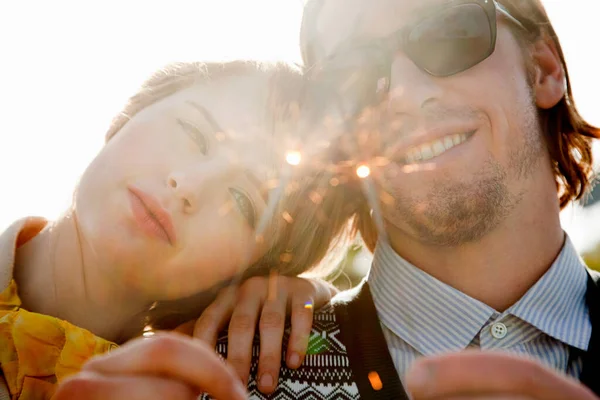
464,211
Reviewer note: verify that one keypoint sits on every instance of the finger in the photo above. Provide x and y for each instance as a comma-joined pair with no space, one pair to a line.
187,328
92,386
242,327
215,317
302,321
489,373
172,356
271,327
323,291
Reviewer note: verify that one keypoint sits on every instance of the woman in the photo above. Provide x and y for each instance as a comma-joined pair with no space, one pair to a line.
178,202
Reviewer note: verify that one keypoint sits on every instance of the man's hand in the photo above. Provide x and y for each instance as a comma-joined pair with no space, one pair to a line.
490,375
271,299
165,366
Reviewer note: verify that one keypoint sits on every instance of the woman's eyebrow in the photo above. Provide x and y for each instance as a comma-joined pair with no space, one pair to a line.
207,116
250,175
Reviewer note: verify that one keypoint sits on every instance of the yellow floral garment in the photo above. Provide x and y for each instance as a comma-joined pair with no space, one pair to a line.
38,351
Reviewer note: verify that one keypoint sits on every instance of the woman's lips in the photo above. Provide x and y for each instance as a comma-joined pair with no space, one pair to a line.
151,217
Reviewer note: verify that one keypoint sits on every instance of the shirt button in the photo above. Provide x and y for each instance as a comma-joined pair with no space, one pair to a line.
499,330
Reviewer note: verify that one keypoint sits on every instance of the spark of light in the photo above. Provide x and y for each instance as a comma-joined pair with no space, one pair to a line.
375,380
293,157
363,171
288,218
148,331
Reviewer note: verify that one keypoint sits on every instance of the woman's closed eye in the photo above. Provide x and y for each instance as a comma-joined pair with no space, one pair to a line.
195,134
245,206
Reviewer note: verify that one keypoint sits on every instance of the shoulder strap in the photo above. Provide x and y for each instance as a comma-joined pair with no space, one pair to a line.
591,359
370,360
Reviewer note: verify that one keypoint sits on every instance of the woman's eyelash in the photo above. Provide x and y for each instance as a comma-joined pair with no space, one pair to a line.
195,134
245,205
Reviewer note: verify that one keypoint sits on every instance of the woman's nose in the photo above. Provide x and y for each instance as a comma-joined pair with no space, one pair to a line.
194,183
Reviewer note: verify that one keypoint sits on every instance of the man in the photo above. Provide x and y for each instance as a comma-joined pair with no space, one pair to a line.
488,147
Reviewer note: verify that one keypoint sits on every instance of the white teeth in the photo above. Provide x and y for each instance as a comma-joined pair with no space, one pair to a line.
456,139
438,147
448,142
427,151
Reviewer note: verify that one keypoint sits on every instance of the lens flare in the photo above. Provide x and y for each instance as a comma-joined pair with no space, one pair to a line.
288,218
363,171
375,380
293,157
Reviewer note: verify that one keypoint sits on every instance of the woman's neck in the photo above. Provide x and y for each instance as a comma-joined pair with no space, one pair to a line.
59,275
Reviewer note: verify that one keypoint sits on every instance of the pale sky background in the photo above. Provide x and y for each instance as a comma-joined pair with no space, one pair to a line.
66,68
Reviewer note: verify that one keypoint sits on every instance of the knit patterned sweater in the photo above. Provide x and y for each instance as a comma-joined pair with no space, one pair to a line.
328,371
348,356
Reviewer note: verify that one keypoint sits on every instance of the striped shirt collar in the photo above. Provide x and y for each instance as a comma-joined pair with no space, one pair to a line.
435,318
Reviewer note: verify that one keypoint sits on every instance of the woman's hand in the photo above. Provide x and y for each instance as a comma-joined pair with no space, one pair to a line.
165,366
271,299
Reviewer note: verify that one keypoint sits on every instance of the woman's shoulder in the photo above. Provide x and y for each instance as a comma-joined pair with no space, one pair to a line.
16,234
42,349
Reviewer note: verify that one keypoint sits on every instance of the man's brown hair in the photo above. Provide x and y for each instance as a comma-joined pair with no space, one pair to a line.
568,136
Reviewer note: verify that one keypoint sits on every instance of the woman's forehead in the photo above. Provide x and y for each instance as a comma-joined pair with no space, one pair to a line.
235,102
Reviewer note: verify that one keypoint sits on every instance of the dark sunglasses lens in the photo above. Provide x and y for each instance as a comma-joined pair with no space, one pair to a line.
452,40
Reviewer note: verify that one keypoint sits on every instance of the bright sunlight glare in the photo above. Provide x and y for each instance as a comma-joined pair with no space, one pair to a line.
363,171
293,157
68,66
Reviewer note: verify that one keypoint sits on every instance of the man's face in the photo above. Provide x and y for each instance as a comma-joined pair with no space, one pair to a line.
466,147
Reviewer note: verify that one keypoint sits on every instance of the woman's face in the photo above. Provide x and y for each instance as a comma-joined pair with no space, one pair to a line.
171,203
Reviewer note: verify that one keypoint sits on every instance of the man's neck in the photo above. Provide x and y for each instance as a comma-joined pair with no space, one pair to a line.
58,275
502,266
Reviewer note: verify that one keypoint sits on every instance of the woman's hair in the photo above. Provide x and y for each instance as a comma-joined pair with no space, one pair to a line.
568,136
313,226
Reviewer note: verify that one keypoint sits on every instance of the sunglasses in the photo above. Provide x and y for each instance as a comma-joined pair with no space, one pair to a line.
444,41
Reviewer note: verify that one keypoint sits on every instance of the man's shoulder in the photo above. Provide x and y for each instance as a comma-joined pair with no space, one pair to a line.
595,275
326,324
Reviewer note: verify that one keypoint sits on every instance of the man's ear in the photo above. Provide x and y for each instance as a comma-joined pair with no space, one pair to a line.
549,76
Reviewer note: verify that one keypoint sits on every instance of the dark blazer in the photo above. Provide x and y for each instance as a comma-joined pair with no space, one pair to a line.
368,350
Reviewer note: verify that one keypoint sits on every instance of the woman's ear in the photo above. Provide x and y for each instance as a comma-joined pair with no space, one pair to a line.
549,74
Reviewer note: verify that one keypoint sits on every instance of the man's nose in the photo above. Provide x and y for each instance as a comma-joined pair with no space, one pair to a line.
192,184
411,89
